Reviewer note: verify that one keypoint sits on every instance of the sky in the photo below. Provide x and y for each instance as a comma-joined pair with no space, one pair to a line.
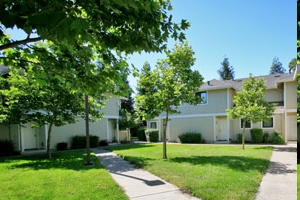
249,33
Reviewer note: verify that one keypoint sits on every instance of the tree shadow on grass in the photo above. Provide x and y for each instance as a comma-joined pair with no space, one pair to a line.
67,160
238,163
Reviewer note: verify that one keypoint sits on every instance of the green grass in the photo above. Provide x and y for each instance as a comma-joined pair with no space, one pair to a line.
208,172
62,177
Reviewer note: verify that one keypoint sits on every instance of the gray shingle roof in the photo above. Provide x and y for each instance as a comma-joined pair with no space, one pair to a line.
271,82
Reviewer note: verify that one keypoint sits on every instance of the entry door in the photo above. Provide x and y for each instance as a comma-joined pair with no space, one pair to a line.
222,128
30,137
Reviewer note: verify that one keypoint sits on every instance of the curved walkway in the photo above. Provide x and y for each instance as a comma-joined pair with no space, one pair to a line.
139,184
280,180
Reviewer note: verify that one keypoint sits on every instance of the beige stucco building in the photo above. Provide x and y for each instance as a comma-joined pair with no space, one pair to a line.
210,118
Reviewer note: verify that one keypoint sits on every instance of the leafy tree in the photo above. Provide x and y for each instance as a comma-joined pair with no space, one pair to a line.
168,85
250,105
226,72
276,67
292,65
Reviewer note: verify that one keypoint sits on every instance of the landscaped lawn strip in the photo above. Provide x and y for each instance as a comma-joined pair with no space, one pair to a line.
298,178
62,177
206,171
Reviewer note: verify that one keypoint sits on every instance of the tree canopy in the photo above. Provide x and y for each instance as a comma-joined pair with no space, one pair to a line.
226,71
276,67
171,83
250,104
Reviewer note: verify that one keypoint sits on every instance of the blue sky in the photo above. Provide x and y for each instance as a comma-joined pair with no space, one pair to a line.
250,33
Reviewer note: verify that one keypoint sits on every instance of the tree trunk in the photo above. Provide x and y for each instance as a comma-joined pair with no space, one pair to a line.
165,136
87,130
244,133
49,140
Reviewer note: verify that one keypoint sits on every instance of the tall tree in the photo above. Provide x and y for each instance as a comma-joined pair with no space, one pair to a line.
250,105
292,65
168,85
276,67
226,71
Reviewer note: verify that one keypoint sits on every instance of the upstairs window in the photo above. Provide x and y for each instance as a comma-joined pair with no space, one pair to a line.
203,97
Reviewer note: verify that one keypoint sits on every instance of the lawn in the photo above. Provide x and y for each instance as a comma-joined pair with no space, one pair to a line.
205,171
62,177
298,178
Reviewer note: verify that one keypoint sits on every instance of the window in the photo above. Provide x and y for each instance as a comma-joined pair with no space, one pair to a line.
153,125
203,97
268,124
247,125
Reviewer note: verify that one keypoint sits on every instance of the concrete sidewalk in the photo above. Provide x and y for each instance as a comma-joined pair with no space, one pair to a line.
280,181
139,184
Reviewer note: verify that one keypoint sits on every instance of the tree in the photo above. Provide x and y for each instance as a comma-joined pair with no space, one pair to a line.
168,85
226,72
292,65
276,67
250,105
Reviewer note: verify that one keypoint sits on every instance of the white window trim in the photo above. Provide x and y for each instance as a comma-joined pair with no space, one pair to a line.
262,123
240,125
149,125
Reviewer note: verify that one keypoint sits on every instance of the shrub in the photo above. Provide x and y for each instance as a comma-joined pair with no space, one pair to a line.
239,138
141,134
277,138
6,148
265,137
103,143
79,142
190,138
256,135
62,146
151,135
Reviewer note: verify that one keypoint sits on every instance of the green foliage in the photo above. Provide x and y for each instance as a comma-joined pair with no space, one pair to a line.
277,138
79,142
256,135
62,146
141,134
190,138
250,104
226,72
103,143
168,85
151,135
265,137
298,98
293,65
276,67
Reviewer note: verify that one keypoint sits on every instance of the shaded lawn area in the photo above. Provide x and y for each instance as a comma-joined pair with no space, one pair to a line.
206,171
62,177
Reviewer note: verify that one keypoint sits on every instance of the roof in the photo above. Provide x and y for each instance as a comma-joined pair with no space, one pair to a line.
3,70
271,82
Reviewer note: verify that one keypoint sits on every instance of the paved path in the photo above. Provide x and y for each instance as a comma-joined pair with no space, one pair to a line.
280,181
139,184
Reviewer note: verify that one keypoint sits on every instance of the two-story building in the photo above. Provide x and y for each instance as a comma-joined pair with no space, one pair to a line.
210,117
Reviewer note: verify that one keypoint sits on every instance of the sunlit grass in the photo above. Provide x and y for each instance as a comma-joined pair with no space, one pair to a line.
63,177
208,172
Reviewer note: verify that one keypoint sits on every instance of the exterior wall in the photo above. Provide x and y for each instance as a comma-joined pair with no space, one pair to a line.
203,125
278,124
216,103
67,132
14,134
290,95
274,95
112,106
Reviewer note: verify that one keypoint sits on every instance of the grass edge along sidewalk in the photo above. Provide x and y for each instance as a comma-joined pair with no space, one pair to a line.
63,177
205,171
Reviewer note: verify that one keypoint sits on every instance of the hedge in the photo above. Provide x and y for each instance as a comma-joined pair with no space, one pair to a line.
79,142
256,135
277,138
141,134
190,138
151,135
7,148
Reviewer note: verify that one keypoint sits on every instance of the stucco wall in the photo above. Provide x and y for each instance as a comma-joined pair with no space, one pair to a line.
291,95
